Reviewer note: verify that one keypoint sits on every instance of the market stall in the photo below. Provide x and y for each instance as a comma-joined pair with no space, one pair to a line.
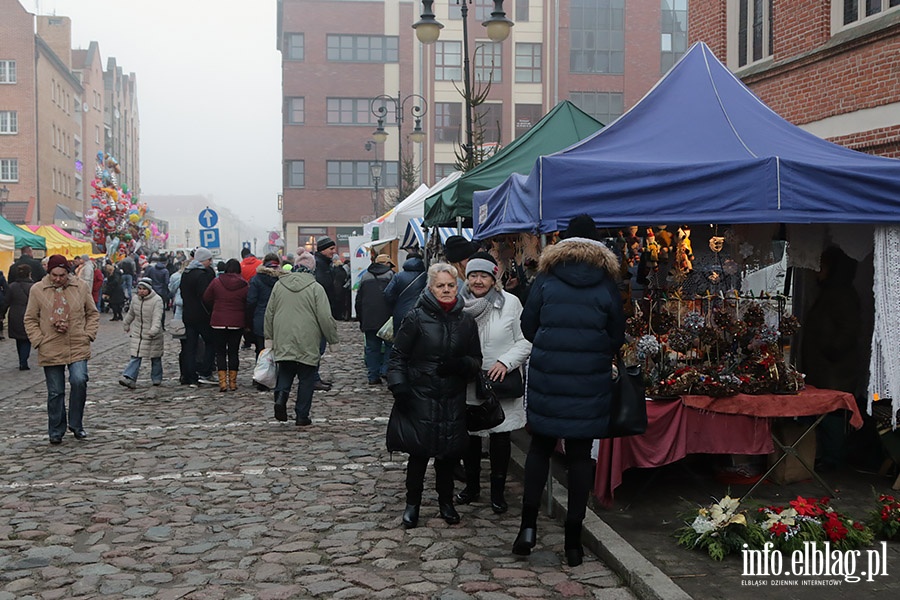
7,250
21,236
563,126
59,241
701,149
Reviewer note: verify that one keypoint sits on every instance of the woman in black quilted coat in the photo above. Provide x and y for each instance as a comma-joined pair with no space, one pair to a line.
436,352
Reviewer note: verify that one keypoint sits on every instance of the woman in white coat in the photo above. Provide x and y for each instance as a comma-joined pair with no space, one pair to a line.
504,350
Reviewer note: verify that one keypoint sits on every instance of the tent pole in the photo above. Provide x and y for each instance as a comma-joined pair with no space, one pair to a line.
459,221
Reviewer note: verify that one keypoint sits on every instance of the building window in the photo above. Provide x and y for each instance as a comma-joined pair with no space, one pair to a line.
489,62
355,111
521,10
356,174
489,119
606,107
447,61
96,134
853,11
527,115
597,29
481,10
754,31
294,110
7,71
447,121
528,63
441,170
293,42
9,122
673,32
296,173
9,169
363,48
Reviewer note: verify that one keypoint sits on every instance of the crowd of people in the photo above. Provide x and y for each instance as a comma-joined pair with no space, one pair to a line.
453,323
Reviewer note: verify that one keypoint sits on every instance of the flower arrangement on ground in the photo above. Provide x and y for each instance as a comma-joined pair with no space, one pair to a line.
885,521
812,520
721,529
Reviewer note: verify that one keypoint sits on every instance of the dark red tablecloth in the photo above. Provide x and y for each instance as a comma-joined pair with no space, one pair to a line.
809,402
674,431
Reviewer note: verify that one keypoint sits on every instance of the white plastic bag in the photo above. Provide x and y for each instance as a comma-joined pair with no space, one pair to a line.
264,371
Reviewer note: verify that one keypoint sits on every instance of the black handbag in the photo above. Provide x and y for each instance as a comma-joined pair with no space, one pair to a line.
486,415
628,409
512,386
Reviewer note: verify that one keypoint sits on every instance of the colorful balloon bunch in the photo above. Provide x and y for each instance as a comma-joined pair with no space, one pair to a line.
116,221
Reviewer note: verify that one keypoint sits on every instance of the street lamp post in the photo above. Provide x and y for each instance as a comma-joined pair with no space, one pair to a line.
375,171
428,29
187,238
418,109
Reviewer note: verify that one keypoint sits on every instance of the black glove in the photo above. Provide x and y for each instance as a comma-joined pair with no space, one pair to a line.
402,393
451,366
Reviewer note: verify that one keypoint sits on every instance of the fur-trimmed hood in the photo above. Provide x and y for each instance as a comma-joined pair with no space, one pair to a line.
270,271
580,262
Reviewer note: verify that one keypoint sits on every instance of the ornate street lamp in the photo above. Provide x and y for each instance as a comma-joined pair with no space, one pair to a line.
428,29
418,108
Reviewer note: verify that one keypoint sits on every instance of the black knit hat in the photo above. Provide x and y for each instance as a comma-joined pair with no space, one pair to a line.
582,226
324,243
457,248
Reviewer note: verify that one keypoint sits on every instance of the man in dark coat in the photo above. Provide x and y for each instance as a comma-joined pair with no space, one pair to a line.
575,322
373,311
196,278
27,258
325,250
404,289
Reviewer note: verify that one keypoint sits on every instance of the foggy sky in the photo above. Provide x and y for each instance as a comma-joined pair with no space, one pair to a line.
208,89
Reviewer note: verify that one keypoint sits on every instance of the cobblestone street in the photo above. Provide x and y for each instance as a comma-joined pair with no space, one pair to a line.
193,493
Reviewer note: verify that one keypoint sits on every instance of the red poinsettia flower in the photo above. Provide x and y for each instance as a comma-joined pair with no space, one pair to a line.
778,529
834,529
805,507
858,526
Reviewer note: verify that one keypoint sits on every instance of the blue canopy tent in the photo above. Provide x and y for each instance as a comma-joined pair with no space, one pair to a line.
416,234
698,148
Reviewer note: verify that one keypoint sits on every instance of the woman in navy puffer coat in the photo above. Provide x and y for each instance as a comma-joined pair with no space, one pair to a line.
574,319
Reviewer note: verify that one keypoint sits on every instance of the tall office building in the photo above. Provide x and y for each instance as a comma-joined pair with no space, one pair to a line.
603,55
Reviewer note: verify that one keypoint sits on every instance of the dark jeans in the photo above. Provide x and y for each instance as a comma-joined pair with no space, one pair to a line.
192,367
56,397
228,346
288,370
580,467
377,354
23,348
443,476
127,284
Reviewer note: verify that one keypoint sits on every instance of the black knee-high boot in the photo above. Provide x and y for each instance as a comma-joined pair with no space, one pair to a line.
573,547
527,537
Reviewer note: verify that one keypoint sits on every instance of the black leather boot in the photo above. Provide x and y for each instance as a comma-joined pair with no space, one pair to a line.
527,538
281,399
448,513
411,516
573,547
498,499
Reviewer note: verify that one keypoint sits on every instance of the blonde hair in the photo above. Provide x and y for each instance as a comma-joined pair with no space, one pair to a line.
440,267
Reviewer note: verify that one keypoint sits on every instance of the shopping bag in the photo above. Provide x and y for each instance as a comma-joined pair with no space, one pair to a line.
264,371
628,410
387,330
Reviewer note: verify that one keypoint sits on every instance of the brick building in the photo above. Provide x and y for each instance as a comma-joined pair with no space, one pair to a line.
603,55
56,113
829,66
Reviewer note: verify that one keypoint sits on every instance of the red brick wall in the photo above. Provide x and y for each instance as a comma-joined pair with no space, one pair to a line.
800,26
706,23
884,141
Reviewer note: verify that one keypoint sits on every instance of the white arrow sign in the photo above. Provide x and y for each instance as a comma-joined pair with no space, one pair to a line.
208,218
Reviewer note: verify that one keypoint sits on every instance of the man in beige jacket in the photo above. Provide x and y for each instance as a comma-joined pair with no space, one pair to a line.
61,321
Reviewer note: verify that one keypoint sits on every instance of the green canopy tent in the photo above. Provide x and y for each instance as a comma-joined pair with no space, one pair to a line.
22,237
563,126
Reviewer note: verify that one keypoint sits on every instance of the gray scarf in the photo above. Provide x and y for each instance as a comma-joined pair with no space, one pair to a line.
479,308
